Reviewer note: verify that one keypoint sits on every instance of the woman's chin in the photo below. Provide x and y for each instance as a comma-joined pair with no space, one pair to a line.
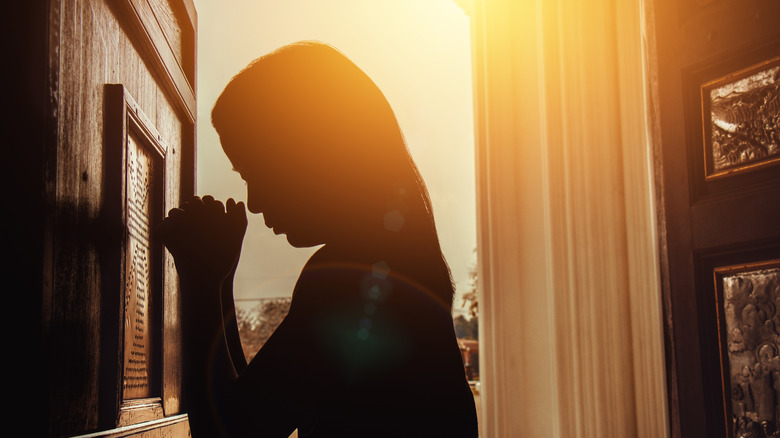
298,241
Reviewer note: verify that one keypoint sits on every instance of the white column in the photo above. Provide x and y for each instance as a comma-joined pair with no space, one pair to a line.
571,319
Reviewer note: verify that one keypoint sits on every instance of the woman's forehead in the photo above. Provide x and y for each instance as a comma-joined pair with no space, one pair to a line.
258,165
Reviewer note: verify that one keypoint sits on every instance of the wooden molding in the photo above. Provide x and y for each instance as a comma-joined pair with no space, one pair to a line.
155,43
125,119
177,425
140,411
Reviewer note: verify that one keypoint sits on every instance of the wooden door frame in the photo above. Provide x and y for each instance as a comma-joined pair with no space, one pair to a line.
685,54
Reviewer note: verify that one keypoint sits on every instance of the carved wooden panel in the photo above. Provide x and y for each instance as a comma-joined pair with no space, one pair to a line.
141,337
710,69
741,120
139,155
750,348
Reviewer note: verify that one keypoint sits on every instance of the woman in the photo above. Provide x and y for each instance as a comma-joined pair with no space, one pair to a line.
368,347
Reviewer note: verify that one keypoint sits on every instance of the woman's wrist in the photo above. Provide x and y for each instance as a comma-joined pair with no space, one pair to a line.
201,296
203,279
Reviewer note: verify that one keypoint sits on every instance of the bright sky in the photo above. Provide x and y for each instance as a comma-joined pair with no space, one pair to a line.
416,51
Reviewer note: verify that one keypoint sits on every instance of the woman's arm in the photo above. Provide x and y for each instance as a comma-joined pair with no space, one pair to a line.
224,399
208,373
230,322
205,240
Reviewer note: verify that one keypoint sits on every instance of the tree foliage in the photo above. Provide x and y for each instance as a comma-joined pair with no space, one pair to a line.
466,328
470,298
257,324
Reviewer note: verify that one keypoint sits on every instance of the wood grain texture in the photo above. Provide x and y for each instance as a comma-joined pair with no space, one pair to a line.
151,39
96,47
173,131
140,411
174,426
179,31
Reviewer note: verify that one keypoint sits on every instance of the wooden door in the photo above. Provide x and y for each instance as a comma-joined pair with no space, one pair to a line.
715,75
118,149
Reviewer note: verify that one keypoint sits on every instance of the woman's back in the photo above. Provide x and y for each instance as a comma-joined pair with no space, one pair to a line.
374,354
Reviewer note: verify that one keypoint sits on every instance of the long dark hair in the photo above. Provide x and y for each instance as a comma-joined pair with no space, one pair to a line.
307,103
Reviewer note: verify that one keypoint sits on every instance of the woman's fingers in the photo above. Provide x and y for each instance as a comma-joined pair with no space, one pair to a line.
167,231
213,205
168,224
209,212
231,206
241,211
203,235
236,212
193,204
175,212
197,204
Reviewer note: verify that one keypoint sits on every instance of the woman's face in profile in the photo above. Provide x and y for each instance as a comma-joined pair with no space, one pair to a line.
288,202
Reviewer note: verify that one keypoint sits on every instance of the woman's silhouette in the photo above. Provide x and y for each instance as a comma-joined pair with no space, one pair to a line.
368,347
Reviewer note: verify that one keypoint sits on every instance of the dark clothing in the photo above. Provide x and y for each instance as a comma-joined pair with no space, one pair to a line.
364,351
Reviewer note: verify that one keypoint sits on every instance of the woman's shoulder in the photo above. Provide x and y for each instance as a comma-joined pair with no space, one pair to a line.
336,263
332,272
334,276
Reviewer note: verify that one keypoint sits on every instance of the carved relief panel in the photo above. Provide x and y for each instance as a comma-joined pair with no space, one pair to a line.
140,339
749,319
137,193
718,173
741,120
